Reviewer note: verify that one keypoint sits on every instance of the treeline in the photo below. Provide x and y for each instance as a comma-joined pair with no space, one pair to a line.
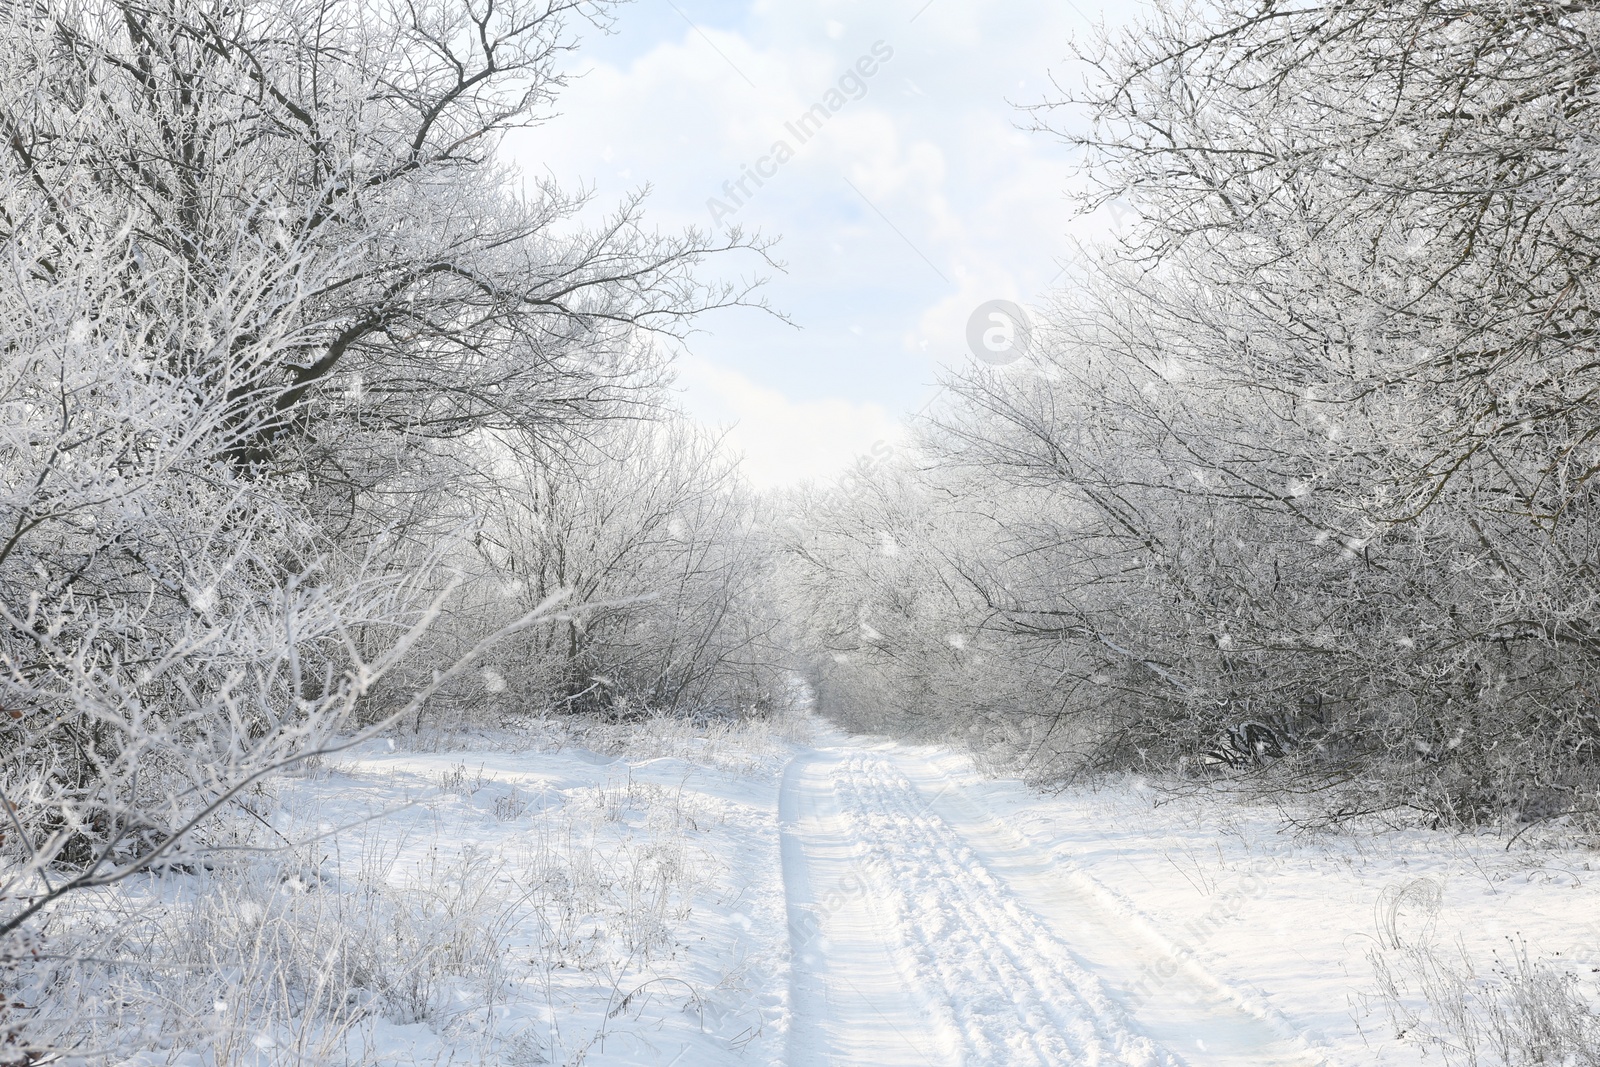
314,417
1297,482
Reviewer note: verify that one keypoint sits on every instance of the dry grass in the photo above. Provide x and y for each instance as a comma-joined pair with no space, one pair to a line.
296,956
1521,1013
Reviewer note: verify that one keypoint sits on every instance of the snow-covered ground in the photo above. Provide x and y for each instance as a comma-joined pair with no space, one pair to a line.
741,899
1003,953
1214,931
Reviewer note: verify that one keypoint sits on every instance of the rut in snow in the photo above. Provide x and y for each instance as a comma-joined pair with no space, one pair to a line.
947,945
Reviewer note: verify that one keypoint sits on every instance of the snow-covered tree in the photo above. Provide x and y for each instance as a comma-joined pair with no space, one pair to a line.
263,289
1311,447
664,554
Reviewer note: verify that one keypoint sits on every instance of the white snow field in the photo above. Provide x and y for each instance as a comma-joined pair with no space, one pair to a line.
681,899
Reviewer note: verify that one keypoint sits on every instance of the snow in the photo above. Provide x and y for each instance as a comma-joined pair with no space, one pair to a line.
710,987
1010,960
1284,923
751,900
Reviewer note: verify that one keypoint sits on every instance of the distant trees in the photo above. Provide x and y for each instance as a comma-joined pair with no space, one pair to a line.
1313,448
665,556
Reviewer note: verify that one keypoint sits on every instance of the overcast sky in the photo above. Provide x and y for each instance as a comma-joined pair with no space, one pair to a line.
919,198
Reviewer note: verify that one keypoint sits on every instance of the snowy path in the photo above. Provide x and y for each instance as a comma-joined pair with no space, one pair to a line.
736,900
924,932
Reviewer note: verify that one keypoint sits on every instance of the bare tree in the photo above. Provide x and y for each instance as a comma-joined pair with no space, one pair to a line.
263,286
1307,456
661,545
170,633
357,141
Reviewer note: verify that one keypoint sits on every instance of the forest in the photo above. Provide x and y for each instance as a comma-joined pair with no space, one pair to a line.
325,429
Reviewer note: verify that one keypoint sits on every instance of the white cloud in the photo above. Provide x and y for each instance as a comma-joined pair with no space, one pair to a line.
785,442
961,207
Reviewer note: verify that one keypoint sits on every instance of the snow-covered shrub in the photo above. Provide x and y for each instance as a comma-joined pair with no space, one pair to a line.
666,558
277,961
304,954
172,626
737,745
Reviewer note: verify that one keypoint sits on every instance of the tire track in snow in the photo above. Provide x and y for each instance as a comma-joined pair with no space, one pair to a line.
1154,982
926,931
850,1002
1009,987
